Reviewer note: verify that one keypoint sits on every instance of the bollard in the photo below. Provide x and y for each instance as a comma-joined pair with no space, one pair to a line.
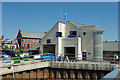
52,75
94,76
79,75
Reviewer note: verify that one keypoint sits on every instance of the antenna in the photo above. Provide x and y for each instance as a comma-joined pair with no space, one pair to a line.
65,17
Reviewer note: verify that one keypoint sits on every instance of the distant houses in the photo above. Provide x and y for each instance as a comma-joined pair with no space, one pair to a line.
10,44
1,37
27,40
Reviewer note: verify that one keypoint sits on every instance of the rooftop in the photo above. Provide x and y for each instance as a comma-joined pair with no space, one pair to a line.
111,46
85,28
32,34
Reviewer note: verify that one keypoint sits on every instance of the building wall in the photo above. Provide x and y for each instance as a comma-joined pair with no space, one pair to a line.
30,42
13,46
21,41
86,40
58,27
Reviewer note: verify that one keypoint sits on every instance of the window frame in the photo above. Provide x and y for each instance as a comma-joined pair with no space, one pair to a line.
49,41
33,40
28,40
58,34
73,31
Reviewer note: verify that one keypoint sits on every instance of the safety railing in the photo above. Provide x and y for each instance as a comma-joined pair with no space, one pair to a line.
69,58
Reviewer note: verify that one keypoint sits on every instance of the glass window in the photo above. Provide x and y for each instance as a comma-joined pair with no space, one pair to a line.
24,40
84,33
37,40
28,46
72,32
23,45
33,40
58,34
48,40
28,40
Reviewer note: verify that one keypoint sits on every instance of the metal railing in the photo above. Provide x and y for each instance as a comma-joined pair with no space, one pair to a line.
69,58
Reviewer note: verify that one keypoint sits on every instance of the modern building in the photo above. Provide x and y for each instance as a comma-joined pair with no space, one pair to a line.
74,40
110,49
29,39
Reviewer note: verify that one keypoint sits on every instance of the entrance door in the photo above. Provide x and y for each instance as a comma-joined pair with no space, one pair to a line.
70,52
84,55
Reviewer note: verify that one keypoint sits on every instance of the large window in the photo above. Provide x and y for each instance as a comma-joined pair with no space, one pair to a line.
28,40
37,40
24,40
72,32
48,40
23,45
33,40
58,34
28,46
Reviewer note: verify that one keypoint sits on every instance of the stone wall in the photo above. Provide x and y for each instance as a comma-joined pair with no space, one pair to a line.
55,73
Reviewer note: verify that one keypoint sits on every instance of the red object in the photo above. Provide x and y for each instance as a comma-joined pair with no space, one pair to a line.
65,17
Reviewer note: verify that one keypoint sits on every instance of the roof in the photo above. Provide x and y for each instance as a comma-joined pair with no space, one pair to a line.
82,27
113,75
111,46
32,34
35,47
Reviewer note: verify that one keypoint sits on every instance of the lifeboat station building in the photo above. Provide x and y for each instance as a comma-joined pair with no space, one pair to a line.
77,41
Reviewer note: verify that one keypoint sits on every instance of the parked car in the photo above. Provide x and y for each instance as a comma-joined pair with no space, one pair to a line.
47,56
23,54
4,57
12,53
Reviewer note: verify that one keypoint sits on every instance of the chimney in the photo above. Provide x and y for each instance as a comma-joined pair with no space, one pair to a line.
115,40
45,32
106,41
2,37
20,30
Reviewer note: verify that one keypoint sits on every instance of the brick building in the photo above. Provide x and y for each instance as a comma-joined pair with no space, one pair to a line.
28,39
1,38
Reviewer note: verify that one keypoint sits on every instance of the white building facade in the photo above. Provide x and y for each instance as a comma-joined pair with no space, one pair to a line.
74,40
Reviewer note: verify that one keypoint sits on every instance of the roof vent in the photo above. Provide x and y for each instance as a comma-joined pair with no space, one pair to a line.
115,40
45,32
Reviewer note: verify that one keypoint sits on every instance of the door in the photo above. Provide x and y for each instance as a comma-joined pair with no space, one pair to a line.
84,56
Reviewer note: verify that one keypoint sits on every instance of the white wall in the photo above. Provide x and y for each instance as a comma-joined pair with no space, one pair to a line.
86,41
58,27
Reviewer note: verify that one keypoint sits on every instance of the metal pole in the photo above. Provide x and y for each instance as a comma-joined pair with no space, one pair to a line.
12,68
